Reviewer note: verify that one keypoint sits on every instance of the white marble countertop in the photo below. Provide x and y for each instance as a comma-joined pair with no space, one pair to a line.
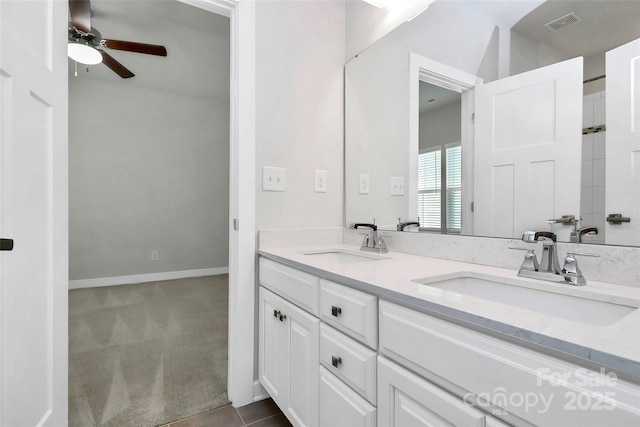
615,346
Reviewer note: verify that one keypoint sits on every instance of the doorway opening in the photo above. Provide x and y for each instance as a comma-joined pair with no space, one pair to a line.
149,198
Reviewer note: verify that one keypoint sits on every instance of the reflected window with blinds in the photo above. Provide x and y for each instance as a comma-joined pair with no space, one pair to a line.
440,209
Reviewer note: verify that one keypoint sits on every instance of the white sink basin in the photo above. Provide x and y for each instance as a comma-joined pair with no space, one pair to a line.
585,307
343,256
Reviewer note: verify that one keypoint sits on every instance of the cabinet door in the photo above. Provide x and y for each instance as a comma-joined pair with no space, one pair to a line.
340,406
303,335
289,358
404,399
273,351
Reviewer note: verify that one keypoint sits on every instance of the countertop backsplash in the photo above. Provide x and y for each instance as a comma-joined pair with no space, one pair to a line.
617,264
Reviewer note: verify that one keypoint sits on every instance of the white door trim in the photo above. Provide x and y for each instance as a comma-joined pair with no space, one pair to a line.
242,242
436,73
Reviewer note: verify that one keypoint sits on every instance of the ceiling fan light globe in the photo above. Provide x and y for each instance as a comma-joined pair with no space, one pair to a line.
84,54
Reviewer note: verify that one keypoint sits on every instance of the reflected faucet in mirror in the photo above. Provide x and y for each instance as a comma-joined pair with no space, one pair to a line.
402,225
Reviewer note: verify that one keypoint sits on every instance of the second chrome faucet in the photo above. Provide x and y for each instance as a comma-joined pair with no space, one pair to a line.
549,267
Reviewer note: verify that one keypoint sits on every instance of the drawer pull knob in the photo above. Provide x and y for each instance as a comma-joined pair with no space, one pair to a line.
335,311
336,361
276,313
282,317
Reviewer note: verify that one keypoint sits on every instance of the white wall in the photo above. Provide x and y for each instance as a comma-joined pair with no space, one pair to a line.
527,54
365,23
299,115
148,171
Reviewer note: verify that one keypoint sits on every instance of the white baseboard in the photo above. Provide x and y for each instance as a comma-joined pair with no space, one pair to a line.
259,393
141,278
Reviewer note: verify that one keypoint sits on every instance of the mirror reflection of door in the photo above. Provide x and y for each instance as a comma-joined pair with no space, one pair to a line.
527,151
439,160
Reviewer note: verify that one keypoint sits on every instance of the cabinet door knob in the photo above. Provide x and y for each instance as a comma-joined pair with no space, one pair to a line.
282,317
335,361
276,313
335,311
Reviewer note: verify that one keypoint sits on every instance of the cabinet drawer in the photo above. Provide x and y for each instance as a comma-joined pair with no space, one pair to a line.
351,361
342,407
408,400
350,311
297,286
517,382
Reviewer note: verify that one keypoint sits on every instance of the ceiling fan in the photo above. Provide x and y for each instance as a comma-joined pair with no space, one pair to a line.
86,44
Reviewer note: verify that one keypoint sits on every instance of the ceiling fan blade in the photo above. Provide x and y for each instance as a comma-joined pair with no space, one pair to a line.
81,14
150,49
117,67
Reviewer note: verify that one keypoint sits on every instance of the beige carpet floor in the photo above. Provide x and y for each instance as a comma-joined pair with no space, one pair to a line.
147,354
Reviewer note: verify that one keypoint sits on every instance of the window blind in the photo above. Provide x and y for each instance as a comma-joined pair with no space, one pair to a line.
430,201
429,188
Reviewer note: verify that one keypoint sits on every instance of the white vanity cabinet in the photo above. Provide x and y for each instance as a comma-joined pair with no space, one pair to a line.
315,373
333,356
515,383
288,363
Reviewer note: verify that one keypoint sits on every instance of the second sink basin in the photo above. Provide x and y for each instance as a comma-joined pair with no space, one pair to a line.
343,256
586,308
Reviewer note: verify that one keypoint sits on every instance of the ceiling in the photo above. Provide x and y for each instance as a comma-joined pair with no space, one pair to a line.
197,42
603,25
433,97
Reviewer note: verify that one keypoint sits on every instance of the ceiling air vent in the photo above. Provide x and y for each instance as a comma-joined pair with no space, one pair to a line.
562,22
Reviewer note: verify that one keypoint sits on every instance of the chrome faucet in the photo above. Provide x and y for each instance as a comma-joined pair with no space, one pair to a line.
549,261
549,268
373,242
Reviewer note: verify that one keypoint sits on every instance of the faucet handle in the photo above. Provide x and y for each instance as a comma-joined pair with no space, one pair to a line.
530,261
570,268
382,244
583,254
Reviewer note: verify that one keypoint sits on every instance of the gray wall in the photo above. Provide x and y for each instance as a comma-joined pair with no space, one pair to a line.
148,172
440,127
149,156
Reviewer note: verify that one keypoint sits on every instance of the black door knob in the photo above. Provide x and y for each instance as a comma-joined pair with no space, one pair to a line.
6,244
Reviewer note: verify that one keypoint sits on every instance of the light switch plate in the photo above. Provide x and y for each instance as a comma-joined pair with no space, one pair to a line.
320,181
364,183
273,179
397,186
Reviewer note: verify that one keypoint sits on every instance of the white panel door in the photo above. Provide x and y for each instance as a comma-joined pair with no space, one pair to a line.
33,212
623,143
527,156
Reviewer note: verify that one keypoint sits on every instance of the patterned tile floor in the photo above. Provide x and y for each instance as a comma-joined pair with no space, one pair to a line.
264,413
